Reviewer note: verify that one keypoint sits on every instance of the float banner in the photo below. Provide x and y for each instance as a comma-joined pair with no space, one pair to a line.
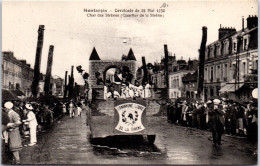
130,116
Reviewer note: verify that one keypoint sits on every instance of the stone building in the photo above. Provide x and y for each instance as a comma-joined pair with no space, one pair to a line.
56,86
101,71
190,85
16,74
176,85
231,61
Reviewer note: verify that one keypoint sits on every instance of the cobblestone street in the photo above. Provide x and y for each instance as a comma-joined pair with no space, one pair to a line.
68,143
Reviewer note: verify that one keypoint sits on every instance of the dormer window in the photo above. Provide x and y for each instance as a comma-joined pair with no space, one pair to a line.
235,46
245,44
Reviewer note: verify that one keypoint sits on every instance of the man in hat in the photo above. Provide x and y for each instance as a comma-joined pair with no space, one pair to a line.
32,124
216,121
15,142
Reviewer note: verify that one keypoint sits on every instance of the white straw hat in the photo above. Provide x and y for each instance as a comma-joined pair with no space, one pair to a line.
9,105
28,106
216,101
209,101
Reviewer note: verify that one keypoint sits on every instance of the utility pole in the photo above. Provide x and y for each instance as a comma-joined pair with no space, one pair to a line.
202,60
48,71
37,63
239,47
166,69
65,85
71,83
145,78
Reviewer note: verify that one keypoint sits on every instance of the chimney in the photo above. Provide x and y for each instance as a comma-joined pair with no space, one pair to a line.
252,22
225,31
243,28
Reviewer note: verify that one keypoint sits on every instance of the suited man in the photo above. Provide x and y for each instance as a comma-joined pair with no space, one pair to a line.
216,121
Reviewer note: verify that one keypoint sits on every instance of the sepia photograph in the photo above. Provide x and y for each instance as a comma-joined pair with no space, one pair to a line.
129,82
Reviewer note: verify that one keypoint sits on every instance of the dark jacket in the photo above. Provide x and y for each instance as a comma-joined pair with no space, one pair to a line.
216,116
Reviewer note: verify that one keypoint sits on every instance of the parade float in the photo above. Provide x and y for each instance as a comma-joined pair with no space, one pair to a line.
120,104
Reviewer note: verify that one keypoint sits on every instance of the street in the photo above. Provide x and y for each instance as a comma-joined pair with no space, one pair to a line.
68,143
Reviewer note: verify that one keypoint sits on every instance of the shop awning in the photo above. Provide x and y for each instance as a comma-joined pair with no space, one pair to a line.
17,92
230,88
8,95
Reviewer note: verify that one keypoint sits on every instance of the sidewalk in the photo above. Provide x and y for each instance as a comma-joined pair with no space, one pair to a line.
60,144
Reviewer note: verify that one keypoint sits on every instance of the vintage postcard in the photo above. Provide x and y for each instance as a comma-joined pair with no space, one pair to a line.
130,82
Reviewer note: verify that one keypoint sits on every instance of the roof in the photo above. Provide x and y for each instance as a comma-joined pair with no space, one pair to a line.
131,55
190,77
94,55
246,31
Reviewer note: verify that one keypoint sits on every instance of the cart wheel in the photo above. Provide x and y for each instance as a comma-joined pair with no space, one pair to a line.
151,138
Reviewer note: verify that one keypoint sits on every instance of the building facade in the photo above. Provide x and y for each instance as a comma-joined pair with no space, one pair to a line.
16,74
190,85
231,61
56,86
176,86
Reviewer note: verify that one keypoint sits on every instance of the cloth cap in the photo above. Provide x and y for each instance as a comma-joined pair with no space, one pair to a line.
28,106
209,101
216,101
9,105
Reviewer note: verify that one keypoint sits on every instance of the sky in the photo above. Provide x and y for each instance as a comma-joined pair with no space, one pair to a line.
74,35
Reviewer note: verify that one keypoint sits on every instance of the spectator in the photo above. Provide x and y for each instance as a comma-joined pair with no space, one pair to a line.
71,109
216,121
32,124
79,109
15,143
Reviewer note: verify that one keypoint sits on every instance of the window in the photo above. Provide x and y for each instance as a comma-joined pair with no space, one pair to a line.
244,67
211,74
218,72
172,82
17,86
206,74
225,71
235,47
215,51
209,52
245,44
211,92
218,88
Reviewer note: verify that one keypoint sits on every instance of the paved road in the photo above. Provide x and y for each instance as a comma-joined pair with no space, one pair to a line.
67,143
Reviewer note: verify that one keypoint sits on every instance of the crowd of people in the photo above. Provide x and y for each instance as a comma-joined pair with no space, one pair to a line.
21,119
220,115
127,90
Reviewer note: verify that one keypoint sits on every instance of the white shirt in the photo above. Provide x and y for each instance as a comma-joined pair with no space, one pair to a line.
32,119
